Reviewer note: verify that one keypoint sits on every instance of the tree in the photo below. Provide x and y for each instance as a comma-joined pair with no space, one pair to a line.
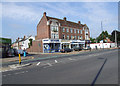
30,44
92,40
103,36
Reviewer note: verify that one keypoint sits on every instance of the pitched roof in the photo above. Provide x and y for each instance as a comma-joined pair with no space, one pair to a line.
66,23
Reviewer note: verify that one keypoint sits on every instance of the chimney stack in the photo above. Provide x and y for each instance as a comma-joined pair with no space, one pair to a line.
44,14
79,22
64,18
18,38
24,37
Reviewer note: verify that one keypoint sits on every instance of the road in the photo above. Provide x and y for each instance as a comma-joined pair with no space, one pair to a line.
98,68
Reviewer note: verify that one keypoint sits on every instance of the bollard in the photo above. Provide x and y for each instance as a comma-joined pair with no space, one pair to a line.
19,59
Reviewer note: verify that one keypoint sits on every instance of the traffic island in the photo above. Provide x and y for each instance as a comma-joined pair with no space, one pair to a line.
19,65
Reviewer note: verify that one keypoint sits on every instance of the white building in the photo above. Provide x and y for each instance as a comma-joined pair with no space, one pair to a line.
102,45
23,43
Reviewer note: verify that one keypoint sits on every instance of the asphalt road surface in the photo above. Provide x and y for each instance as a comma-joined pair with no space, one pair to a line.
91,68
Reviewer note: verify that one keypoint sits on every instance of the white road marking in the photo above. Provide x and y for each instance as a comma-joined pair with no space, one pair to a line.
49,64
20,72
4,75
71,59
56,61
38,63
9,74
26,71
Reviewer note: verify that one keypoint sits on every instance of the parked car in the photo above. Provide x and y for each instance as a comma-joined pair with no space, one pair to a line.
87,48
77,48
10,52
66,50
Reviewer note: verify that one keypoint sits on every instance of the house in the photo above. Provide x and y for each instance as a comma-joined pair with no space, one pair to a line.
54,34
23,43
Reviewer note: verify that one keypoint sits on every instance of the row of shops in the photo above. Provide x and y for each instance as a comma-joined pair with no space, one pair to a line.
54,45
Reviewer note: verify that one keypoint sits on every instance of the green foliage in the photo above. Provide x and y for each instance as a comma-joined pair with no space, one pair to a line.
103,36
92,40
30,44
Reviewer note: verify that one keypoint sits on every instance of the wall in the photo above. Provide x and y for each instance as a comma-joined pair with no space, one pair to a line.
37,46
100,45
42,29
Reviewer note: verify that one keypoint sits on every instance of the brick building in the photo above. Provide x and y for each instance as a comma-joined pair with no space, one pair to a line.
54,34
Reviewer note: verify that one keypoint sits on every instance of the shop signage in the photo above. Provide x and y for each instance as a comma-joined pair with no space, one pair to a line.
51,41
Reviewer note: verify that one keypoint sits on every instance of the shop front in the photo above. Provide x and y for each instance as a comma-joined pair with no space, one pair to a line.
51,45
65,44
77,43
87,43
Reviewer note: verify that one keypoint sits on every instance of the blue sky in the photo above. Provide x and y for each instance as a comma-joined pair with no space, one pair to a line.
21,18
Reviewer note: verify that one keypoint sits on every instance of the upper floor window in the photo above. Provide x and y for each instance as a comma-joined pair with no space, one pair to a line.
75,37
63,36
54,36
81,37
86,30
71,30
74,30
67,36
78,37
80,31
67,29
54,28
71,37
63,29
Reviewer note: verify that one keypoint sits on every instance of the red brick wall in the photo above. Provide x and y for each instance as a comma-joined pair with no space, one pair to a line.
35,47
61,33
42,29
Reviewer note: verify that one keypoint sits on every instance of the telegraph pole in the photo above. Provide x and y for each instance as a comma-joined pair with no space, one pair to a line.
102,34
115,39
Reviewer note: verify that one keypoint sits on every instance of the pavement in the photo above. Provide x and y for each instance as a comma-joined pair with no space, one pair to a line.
100,67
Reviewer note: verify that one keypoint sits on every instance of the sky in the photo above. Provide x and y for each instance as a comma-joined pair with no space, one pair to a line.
21,18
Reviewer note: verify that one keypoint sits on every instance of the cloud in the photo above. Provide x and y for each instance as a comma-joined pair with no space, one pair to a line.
90,13
11,10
